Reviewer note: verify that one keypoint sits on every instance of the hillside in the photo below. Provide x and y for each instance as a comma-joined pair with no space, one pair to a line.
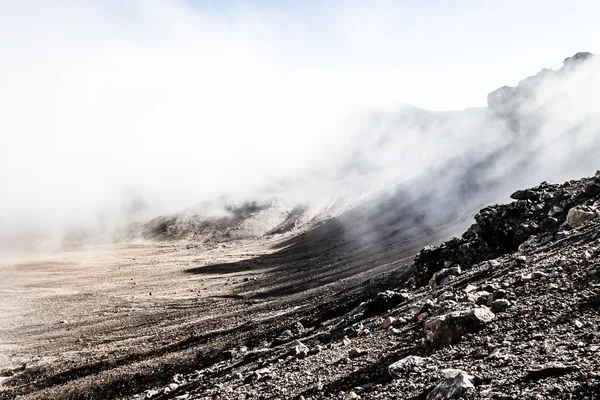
508,310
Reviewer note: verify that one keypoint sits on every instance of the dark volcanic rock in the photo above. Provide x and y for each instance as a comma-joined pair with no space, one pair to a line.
384,301
525,224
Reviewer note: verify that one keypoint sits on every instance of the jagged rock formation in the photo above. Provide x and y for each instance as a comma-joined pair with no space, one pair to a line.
538,216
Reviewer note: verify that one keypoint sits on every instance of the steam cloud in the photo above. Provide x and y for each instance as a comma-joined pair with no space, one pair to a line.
116,113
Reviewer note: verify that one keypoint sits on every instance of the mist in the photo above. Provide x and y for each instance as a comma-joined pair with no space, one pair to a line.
113,114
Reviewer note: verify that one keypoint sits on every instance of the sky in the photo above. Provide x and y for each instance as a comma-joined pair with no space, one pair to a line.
178,101
437,54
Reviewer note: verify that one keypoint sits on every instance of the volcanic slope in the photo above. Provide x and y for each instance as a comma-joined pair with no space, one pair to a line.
509,310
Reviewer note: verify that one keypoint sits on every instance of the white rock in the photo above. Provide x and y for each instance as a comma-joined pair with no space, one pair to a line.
389,321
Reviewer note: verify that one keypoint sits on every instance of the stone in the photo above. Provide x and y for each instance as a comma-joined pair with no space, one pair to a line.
500,305
592,189
552,369
447,295
538,275
548,224
351,396
453,384
470,288
579,215
300,350
298,328
525,277
389,321
451,327
385,301
355,353
426,306
407,364
556,210
482,297
526,194
438,278
284,337
499,294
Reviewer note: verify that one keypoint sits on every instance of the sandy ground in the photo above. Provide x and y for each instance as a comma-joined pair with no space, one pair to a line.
59,308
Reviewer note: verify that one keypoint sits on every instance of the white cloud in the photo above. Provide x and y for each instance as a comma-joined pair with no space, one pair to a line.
175,103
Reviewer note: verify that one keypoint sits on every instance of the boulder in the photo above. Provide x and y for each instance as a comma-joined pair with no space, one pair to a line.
450,328
384,301
439,277
500,305
407,364
453,384
579,215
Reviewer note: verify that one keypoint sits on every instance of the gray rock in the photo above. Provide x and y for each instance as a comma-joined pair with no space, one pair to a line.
426,306
438,278
452,385
355,353
526,194
407,364
499,294
500,305
556,210
450,328
389,321
316,350
447,295
298,328
481,297
285,337
300,350
579,215
470,288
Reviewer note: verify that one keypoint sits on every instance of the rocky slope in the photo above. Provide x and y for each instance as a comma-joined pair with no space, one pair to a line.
509,310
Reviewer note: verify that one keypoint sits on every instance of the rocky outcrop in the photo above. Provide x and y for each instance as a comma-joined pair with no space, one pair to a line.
538,216
508,100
